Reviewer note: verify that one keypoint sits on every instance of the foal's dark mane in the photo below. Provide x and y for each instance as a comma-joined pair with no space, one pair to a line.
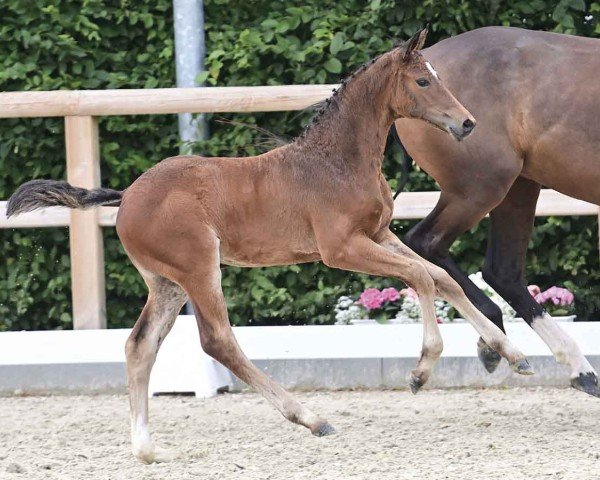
332,103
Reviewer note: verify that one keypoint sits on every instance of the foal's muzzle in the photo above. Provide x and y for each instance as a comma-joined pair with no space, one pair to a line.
461,131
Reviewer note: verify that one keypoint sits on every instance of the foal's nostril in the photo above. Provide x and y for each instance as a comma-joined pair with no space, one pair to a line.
468,125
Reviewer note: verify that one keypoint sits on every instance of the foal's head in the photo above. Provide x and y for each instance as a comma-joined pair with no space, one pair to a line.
420,93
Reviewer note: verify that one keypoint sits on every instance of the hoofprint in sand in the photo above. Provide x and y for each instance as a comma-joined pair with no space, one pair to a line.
460,434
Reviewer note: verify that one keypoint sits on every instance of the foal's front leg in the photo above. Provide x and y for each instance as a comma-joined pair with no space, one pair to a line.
432,347
362,254
453,293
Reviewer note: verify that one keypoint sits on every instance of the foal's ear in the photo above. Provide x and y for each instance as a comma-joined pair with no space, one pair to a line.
416,42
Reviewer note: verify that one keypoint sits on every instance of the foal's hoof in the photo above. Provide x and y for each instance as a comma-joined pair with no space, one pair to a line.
322,430
522,367
154,455
488,356
586,382
415,384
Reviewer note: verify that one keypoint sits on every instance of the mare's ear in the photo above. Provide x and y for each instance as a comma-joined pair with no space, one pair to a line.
416,42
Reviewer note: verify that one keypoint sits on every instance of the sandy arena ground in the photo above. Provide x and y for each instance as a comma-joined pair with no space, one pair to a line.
471,434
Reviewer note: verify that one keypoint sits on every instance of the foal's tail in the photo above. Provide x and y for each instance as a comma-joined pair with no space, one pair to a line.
50,193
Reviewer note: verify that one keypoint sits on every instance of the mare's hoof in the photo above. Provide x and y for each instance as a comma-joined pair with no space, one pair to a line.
586,382
415,384
522,367
323,430
488,356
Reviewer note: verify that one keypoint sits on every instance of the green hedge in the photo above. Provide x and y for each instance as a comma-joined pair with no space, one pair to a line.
95,45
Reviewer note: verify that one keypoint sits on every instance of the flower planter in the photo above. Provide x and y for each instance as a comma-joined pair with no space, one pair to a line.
410,321
390,306
363,321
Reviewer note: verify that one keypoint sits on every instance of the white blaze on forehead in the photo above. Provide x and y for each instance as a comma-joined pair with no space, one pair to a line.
431,70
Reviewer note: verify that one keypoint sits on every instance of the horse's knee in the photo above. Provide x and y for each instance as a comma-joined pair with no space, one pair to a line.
449,288
445,284
421,280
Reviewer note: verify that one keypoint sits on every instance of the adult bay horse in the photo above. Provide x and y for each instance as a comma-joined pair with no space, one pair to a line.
321,197
537,98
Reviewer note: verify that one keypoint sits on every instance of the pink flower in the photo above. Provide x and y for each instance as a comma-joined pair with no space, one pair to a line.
371,299
534,290
556,295
390,294
409,292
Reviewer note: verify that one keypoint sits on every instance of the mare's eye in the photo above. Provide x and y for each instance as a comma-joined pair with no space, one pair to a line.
423,82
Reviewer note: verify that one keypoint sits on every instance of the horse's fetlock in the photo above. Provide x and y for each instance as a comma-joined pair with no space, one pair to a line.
435,348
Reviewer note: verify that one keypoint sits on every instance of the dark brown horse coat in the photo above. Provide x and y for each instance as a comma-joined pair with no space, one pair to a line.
536,96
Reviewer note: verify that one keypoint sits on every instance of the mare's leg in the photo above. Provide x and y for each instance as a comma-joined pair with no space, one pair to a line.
165,300
432,237
217,339
361,254
511,228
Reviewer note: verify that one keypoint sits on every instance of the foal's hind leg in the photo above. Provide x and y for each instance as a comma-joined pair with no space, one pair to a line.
217,339
165,300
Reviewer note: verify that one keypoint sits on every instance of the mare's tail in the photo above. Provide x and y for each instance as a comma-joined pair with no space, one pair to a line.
50,193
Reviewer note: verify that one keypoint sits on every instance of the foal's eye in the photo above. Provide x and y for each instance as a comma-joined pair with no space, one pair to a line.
423,82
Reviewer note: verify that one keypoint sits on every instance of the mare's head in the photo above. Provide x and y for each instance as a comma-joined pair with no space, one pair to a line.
420,93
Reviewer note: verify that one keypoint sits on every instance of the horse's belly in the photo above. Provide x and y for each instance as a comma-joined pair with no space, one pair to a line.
267,259
267,247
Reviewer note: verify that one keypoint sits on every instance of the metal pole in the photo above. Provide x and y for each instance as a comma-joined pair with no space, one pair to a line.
189,62
189,58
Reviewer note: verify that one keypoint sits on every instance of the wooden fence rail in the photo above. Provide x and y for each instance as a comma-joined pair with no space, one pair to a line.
81,109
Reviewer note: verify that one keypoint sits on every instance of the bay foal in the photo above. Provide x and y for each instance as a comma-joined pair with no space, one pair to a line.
322,197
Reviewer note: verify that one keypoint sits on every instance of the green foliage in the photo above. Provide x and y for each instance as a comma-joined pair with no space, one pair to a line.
77,45
65,44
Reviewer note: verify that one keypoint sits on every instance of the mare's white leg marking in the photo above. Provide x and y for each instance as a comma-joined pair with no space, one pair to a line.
563,347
